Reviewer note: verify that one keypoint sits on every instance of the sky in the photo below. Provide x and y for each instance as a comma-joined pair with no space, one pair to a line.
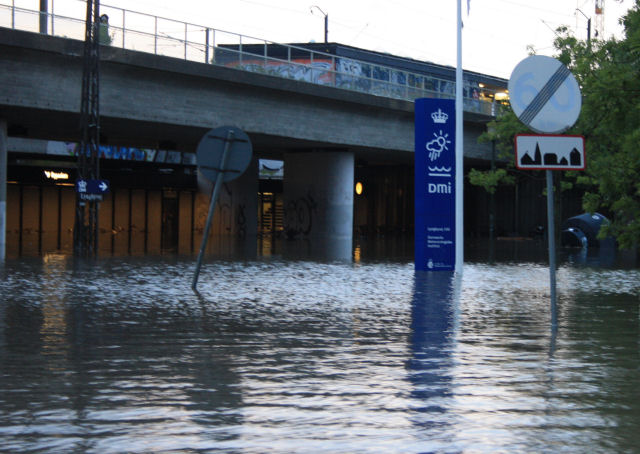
496,34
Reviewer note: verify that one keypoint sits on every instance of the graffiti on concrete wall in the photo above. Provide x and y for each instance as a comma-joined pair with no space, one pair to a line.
307,70
124,153
298,215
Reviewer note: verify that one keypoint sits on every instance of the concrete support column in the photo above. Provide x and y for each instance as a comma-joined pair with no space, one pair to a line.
318,200
3,189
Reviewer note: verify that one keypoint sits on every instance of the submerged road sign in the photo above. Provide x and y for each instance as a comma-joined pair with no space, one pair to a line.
550,152
545,96
212,147
223,154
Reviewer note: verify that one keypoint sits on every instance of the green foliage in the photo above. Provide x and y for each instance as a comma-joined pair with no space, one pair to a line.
490,179
608,73
500,133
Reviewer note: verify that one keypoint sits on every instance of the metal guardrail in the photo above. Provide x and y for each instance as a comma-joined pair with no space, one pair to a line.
161,36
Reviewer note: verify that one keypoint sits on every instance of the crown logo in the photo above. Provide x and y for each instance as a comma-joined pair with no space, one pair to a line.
439,116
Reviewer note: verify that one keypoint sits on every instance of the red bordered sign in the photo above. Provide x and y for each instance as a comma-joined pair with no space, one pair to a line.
550,152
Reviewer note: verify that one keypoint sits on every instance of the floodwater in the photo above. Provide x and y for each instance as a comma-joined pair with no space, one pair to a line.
297,355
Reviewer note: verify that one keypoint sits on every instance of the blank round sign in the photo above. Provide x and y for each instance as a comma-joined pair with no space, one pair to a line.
544,95
211,148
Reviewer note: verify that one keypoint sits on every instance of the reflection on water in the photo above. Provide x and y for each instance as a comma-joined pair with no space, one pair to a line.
283,354
434,309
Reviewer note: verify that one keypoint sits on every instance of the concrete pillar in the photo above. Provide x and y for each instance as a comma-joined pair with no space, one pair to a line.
3,189
318,200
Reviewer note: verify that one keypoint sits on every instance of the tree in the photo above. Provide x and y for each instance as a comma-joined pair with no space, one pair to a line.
501,133
609,75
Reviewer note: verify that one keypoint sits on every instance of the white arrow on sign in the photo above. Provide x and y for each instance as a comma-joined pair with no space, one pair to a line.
550,152
103,186
544,94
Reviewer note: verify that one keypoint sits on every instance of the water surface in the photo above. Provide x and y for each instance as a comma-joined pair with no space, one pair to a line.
291,355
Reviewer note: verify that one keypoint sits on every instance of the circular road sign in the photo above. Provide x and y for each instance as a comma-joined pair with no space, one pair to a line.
211,149
544,95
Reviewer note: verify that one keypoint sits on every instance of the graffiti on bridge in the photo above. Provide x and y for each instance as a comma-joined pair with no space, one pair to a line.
298,216
124,153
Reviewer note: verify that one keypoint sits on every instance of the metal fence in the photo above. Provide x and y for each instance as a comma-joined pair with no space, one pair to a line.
161,36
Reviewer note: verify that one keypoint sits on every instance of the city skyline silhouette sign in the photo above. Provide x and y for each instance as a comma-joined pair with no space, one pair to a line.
550,152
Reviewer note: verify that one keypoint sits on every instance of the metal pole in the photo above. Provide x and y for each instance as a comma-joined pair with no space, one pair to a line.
492,198
212,207
3,188
326,28
44,16
95,206
459,202
206,46
588,28
552,247
155,36
85,235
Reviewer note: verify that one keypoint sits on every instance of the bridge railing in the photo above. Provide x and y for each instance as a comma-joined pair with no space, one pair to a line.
162,36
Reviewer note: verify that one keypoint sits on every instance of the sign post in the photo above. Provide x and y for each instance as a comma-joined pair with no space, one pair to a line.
435,185
551,222
545,96
223,154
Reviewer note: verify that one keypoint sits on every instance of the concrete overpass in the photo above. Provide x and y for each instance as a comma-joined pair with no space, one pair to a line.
147,99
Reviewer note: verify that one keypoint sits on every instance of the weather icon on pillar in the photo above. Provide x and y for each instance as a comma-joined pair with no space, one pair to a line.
436,146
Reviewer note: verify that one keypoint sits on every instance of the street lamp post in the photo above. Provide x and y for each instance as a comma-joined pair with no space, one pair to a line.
326,23
588,27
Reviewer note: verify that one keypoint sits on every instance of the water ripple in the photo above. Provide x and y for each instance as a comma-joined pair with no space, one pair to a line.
119,355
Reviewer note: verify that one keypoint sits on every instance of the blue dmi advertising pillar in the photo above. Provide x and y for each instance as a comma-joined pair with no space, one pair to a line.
435,185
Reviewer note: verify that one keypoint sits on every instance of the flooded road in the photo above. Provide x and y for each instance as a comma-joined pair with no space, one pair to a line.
291,355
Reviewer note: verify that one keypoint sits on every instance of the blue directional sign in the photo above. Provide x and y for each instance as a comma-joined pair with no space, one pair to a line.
435,171
92,186
91,190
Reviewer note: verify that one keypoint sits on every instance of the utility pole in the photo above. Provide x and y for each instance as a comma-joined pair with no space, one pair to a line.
85,232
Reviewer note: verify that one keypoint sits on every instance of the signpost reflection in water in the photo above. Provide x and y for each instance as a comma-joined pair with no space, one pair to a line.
433,324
